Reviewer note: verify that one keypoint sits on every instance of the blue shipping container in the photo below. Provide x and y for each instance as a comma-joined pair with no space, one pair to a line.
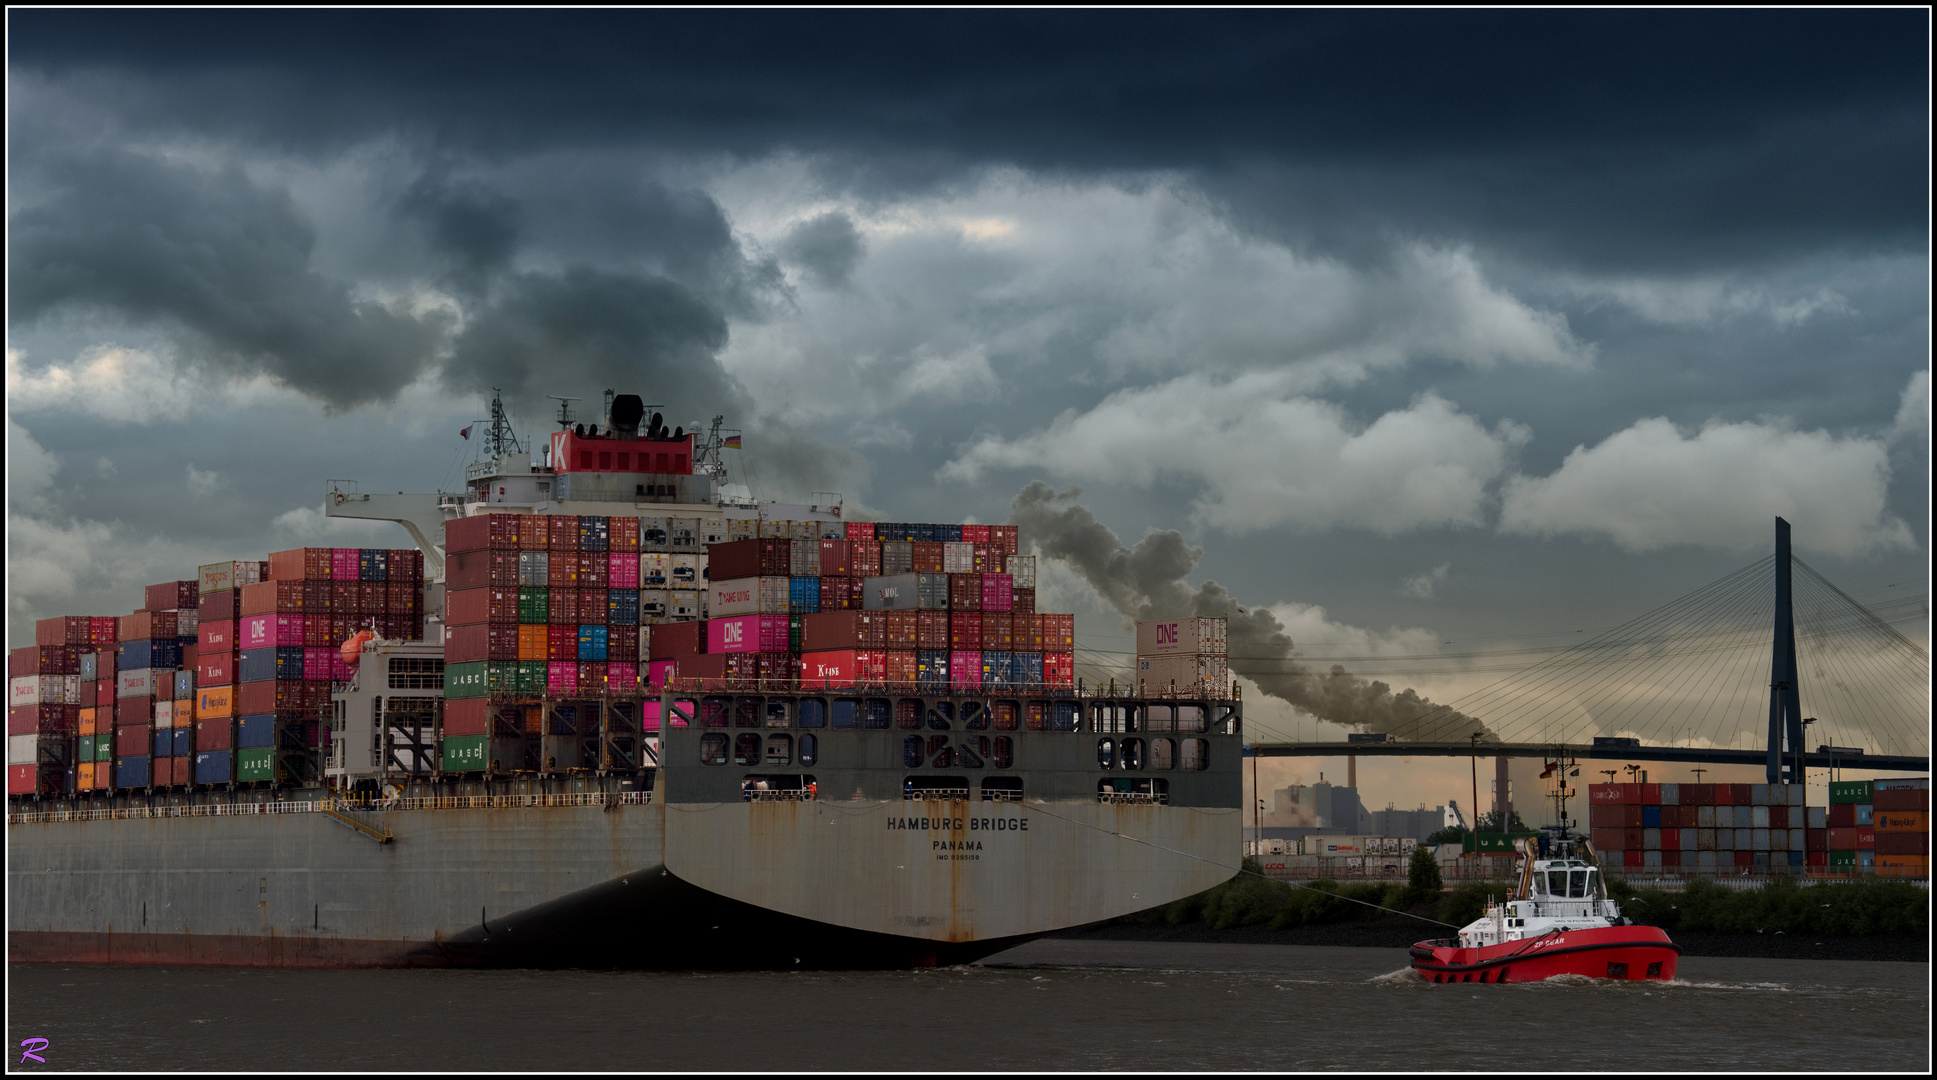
803,595
214,767
931,669
998,669
591,642
1651,817
165,742
254,732
131,656
1029,668
266,665
131,772
622,607
184,684
184,741
950,534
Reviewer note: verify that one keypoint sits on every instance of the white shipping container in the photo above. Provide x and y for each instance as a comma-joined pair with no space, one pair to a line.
655,606
1759,839
685,571
1818,817
832,530
1188,674
1798,839
712,531
1759,819
804,558
1023,569
1671,794
164,714
1705,817
217,577
747,596
21,749
1725,839
776,529
44,690
655,570
139,682
683,603
958,558
806,530
187,621
1181,637
742,529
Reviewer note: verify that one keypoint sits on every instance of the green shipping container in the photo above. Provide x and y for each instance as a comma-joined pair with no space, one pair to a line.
1850,791
257,763
534,605
531,676
1492,842
464,753
87,748
1843,858
104,748
793,636
466,680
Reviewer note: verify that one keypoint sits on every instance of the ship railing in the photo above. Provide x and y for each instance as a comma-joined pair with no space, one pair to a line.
940,794
304,806
1159,798
779,795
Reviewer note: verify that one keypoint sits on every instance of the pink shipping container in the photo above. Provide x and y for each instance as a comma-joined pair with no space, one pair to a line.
998,592
658,671
623,570
747,633
561,677
343,564
965,669
319,665
649,716
265,631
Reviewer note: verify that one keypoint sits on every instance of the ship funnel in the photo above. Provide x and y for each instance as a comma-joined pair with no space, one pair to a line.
622,419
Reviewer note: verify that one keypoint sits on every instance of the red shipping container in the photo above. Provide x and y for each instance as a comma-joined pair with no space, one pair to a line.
622,642
1022,601
1058,633
863,558
1865,838
319,597
675,639
975,534
90,691
1670,857
564,532
1841,838
477,569
467,716
861,530
59,720
1651,794
1902,843
1818,858
835,594
561,642
1670,838
215,637
832,630
147,626
1671,817
1631,858
469,607
965,630
1632,839
102,630
594,570
1604,794
594,606
561,570
997,632
1901,799
624,536
965,592
172,596
1601,815
591,677
271,598
927,556
749,558
490,641
900,667
277,695
1059,669
1778,817
301,564
1816,840
834,559
366,597
215,734
900,629
1006,537
1740,795
64,630
843,667
1842,816
134,741
1605,840
564,607
931,629
44,660
483,532
317,630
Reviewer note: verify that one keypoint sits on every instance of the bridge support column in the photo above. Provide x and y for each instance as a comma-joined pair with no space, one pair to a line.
1785,705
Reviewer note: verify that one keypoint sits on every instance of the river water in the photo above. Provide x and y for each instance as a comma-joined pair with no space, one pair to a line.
1049,1005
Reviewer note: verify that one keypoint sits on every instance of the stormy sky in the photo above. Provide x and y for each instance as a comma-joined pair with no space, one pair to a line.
1434,331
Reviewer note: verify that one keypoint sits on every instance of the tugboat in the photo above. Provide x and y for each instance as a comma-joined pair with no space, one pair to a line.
1558,921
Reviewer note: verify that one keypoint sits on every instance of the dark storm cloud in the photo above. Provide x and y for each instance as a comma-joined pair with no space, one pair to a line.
222,259
587,329
473,227
828,247
1147,582
1602,137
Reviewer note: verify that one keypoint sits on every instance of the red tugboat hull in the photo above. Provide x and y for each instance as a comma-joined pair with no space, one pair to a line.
1608,952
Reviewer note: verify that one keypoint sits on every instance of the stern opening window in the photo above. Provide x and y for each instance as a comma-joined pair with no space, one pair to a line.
1163,754
712,749
1006,713
1105,754
1197,755
809,750
780,750
746,750
1002,789
813,712
1004,754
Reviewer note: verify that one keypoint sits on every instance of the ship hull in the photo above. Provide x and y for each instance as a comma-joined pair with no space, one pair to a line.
1632,953
590,886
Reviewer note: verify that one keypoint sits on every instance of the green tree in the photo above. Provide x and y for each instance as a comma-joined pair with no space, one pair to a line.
1422,879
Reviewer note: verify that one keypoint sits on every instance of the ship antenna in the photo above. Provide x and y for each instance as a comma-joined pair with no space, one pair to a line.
501,436
564,410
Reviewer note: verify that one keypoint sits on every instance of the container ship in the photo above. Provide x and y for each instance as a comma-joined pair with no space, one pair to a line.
607,711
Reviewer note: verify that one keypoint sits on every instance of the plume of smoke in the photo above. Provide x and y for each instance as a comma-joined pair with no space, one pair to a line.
1147,582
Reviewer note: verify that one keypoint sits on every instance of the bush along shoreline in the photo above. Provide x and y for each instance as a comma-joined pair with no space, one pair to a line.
1870,920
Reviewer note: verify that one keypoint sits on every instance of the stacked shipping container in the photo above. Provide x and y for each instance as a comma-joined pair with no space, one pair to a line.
1183,656
1880,827
52,693
1708,828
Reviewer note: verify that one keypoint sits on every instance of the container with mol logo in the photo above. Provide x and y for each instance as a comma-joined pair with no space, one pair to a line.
1181,637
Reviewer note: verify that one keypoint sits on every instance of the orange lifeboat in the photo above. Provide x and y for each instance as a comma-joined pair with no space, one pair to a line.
352,649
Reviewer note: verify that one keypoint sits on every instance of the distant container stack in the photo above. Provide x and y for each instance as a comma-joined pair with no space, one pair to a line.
1708,828
1189,657
840,605
53,697
153,724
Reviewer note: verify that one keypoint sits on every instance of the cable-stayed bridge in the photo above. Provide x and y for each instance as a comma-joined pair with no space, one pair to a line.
1772,665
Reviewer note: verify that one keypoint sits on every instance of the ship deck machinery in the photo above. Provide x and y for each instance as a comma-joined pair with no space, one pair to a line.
836,829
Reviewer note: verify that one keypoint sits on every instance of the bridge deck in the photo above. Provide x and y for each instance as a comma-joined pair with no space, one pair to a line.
1702,755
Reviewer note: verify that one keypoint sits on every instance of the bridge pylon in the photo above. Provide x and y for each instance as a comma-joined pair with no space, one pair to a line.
1785,701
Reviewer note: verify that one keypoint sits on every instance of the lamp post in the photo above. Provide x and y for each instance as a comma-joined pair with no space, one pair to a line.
1476,793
